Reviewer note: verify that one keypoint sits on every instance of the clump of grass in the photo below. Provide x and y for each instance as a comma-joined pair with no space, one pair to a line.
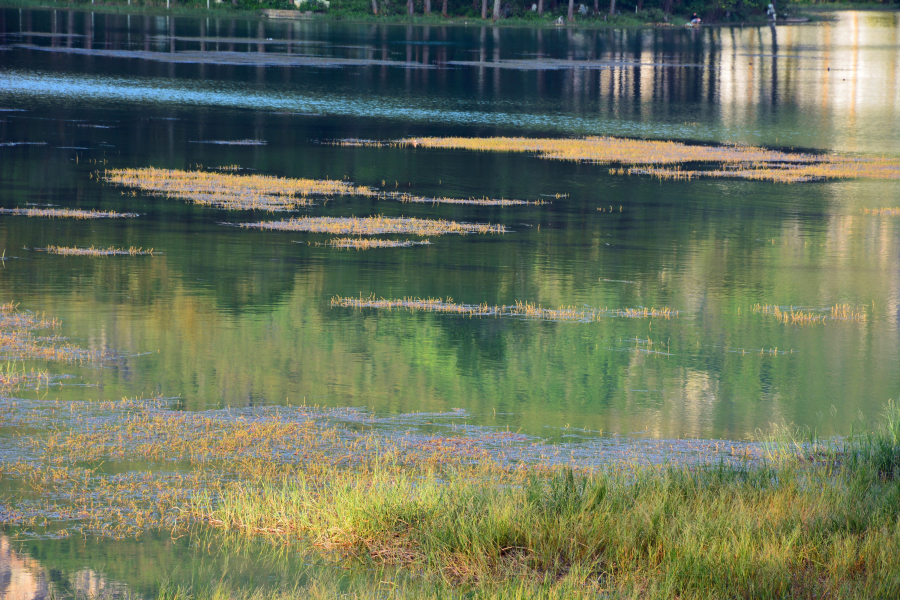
66,213
839,312
518,309
65,251
883,212
664,159
844,312
380,582
232,192
375,226
364,244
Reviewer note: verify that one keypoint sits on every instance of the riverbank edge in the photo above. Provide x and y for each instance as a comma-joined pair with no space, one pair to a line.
810,518
677,21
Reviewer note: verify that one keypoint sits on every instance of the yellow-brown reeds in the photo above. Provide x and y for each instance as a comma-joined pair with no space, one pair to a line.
375,226
791,316
364,244
844,312
660,158
66,213
74,251
233,192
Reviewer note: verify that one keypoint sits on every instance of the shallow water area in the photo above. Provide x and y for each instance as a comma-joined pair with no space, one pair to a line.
615,318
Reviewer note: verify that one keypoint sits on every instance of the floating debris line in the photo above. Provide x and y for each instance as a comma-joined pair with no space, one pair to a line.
232,142
66,213
8,144
74,251
663,159
375,226
838,312
883,212
233,192
265,59
519,309
364,244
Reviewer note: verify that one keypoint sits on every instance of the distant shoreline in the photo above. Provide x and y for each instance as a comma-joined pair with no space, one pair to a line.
621,21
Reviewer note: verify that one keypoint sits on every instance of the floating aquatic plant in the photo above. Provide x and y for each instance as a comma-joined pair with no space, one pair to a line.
375,226
470,201
67,213
132,251
233,192
365,244
663,159
518,309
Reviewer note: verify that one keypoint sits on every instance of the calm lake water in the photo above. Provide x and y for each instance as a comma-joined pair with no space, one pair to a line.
242,318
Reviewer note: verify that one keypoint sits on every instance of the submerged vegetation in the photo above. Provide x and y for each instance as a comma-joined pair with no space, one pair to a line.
64,251
375,225
66,213
519,309
665,159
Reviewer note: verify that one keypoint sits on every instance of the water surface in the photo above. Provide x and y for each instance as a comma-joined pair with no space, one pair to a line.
242,318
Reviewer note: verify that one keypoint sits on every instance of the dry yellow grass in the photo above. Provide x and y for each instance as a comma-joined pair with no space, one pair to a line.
233,192
375,226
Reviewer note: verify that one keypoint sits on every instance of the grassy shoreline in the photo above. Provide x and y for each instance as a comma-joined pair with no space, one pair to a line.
800,517
821,523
